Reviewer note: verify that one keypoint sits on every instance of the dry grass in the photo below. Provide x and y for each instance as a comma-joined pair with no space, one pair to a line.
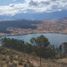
17,59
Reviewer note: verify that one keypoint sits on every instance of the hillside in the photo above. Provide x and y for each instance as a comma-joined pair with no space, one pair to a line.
29,26
10,57
4,25
58,26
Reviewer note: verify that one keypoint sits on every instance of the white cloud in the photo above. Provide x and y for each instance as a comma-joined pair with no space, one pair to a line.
38,6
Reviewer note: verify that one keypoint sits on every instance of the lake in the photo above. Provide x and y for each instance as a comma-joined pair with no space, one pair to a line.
54,38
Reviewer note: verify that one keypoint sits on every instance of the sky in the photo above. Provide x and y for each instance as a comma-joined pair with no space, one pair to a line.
33,9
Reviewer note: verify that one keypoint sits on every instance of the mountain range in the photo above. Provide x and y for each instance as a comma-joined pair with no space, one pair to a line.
35,16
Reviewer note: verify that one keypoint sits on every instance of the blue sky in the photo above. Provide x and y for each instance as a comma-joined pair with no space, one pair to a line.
7,2
33,9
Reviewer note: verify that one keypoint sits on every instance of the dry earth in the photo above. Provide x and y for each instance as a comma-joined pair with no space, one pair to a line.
12,58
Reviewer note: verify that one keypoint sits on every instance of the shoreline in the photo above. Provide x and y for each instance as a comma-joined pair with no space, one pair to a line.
36,33
7,34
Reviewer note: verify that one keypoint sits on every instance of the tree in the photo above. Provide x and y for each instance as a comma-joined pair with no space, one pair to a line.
13,44
41,43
